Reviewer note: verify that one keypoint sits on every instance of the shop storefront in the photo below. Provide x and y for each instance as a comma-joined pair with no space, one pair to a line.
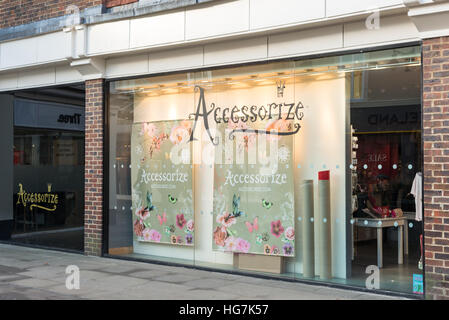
295,140
304,169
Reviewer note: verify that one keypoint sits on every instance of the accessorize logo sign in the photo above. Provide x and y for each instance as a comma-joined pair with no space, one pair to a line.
45,201
273,111
234,179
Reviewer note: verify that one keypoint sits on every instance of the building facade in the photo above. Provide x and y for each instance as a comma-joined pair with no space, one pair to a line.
301,141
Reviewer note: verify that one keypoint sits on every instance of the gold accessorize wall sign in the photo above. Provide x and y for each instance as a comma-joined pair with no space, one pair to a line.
45,201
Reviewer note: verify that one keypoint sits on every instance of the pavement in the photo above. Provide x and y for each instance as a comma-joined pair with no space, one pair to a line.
37,274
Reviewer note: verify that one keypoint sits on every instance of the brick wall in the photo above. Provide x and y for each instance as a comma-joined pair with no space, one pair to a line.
93,178
17,12
115,3
436,166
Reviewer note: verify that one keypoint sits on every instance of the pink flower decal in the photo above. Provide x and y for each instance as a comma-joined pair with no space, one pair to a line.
275,250
186,125
276,228
290,233
149,129
231,244
226,219
179,134
138,228
242,245
151,235
146,234
155,236
249,138
190,225
143,213
220,235
180,221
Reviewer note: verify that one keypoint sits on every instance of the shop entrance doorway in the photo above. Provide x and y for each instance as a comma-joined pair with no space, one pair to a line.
48,168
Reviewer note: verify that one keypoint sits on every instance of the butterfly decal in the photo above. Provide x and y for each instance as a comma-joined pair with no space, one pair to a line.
162,219
252,226
266,204
172,199
150,205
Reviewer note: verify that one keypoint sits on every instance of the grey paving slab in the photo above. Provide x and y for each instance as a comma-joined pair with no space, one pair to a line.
33,283
45,272
121,269
150,274
10,277
246,289
290,285
9,262
159,287
92,275
116,282
28,273
83,292
93,287
114,296
178,278
201,294
207,283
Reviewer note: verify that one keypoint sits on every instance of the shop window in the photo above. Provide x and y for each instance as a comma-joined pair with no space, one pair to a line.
305,169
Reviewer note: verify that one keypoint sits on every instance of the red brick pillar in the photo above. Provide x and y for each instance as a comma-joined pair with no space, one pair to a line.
93,172
436,166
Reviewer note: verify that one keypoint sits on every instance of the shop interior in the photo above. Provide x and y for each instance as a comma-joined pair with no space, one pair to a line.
387,161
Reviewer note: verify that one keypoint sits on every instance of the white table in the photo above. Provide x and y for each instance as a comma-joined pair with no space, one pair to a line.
379,224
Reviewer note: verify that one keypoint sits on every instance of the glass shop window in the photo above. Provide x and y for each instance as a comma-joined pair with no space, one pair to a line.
300,169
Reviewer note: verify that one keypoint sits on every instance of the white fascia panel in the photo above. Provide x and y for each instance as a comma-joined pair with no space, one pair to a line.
18,53
344,7
8,81
108,37
157,29
235,51
268,13
305,41
217,19
127,66
177,59
67,74
36,77
53,46
391,29
431,21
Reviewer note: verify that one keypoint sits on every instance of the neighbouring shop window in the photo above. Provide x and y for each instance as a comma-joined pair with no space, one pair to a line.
307,169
